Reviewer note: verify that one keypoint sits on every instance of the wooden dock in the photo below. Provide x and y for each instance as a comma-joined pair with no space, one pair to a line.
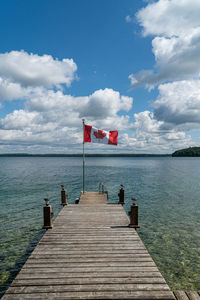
91,253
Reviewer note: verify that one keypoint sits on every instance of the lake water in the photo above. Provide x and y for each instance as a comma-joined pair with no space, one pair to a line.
168,192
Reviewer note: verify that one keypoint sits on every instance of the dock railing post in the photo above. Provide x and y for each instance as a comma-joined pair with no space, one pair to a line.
100,187
134,215
121,195
63,196
48,214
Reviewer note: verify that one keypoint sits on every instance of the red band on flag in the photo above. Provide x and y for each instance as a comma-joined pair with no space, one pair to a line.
113,137
87,133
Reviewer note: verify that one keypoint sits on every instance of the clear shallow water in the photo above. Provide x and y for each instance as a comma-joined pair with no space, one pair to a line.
168,192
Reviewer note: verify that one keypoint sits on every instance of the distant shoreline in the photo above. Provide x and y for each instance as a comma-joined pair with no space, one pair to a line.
188,152
80,155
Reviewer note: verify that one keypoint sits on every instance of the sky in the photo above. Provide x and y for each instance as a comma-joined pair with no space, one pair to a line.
131,66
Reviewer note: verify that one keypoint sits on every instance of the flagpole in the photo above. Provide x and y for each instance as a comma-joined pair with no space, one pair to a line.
83,120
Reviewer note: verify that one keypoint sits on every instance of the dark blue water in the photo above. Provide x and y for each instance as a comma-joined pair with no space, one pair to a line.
168,192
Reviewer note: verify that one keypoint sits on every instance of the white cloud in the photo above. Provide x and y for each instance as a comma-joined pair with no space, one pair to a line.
53,118
11,91
169,17
145,122
149,137
106,103
35,132
51,122
178,104
34,70
101,108
176,46
128,19
175,27
19,119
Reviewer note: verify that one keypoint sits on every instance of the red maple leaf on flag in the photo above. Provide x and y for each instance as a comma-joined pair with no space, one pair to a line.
99,134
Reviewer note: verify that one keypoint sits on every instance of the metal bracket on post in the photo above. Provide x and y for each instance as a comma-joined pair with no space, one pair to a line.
77,200
134,215
100,187
63,196
48,214
121,195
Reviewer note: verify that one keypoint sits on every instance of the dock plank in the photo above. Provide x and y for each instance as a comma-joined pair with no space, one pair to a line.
139,295
187,295
193,295
87,280
181,295
117,274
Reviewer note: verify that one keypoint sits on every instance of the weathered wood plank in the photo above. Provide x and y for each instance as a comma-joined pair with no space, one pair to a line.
91,275
88,242
77,260
90,269
87,280
85,256
88,264
94,234
192,295
93,248
181,295
140,295
103,234
87,288
93,253
85,239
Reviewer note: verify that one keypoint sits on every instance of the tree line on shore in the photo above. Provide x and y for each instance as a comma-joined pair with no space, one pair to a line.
192,151
188,152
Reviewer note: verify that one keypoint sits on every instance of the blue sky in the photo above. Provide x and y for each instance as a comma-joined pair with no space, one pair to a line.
131,66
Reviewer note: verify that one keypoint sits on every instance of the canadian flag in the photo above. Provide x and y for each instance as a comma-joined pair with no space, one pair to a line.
94,135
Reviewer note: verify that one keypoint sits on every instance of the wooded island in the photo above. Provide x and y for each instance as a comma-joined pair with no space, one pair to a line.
192,151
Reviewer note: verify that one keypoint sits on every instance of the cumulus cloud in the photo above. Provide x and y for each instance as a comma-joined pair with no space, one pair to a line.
33,70
53,118
11,90
101,107
148,136
176,45
33,130
49,116
106,103
178,104
19,119
144,121
182,14
50,121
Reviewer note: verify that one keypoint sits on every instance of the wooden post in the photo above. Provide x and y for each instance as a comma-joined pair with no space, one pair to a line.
63,196
121,195
134,215
48,214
